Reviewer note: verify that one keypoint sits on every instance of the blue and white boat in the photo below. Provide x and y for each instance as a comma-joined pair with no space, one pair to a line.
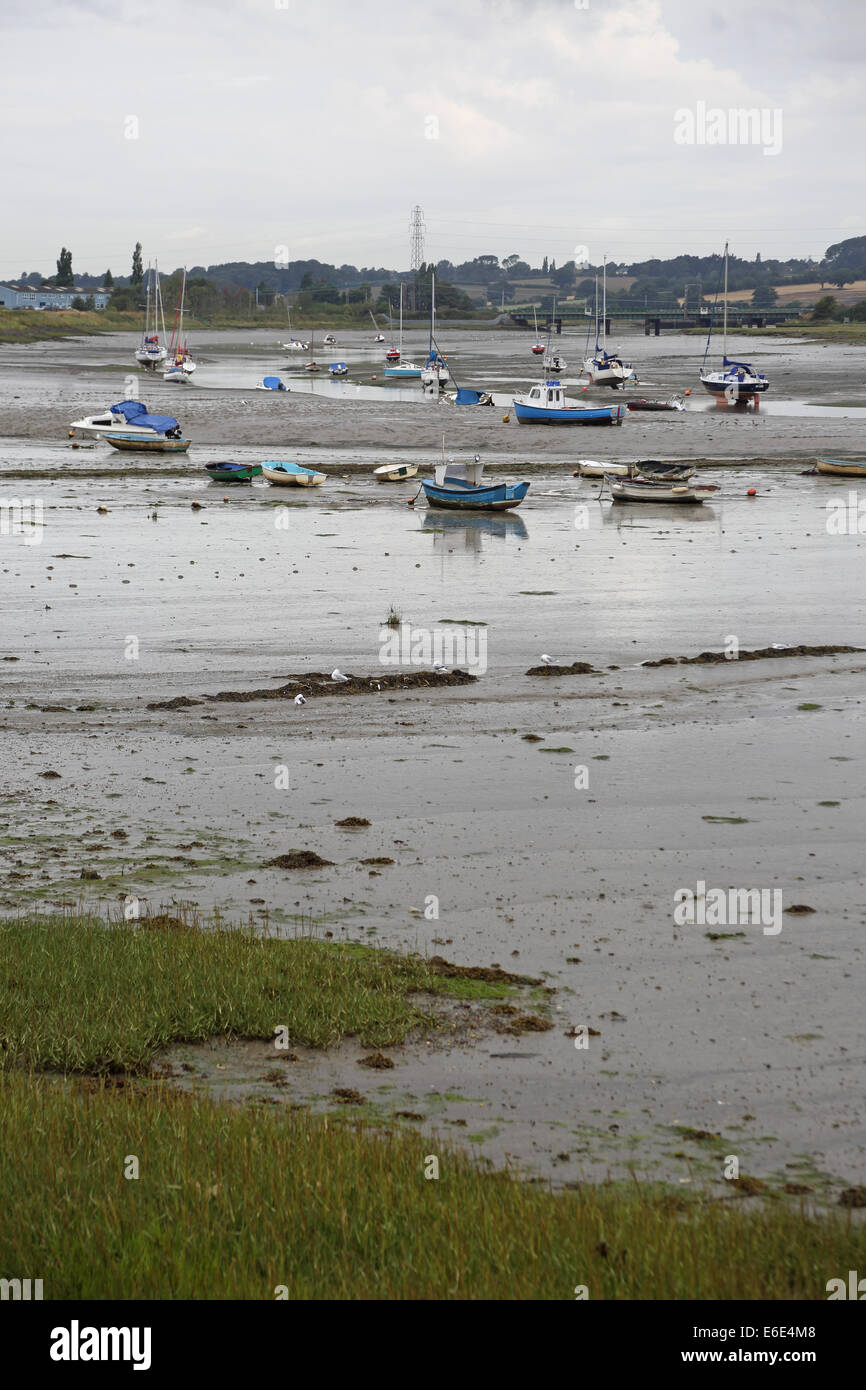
547,404
271,383
338,369
396,368
737,382
126,417
435,373
460,487
291,474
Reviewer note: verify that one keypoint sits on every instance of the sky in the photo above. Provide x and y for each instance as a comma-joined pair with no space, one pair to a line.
219,130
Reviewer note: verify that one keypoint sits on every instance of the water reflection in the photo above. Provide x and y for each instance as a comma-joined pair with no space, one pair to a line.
449,531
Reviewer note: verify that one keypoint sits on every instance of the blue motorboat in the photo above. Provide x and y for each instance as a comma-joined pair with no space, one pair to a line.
338,369
467,396
547,404
459,486
272,383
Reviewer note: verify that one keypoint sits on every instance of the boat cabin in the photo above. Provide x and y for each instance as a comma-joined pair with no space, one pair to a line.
549,395
467,472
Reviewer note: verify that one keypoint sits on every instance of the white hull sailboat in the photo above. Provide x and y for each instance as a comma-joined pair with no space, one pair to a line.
435,374
179,365
552,361
150,353
605,368
737,382
397,369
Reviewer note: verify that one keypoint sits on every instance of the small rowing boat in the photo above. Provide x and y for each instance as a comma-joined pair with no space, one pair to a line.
844,468
642,490
673,403
233,472
291,475
395,472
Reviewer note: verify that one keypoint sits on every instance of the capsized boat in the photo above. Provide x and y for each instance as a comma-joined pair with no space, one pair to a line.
225,472
547,404
642,490
845,468
291,474
296,346
395,472
136,444
459,485
736,380
676,402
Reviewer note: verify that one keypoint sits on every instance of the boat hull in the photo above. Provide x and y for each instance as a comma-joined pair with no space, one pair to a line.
159,445
240,473
494,497
569,415
395,473
720,385
843,468
294,476
634,490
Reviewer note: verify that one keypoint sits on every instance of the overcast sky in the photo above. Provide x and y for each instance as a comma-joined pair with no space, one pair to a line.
308,124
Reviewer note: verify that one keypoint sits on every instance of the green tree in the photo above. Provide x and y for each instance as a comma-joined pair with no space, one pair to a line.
825,309
107,280
764,297
64,269
137,267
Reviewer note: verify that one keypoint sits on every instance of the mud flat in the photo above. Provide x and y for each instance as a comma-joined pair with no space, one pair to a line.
539,826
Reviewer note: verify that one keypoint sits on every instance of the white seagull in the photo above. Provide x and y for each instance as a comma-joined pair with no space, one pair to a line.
548,660
337,675
440,669
300,700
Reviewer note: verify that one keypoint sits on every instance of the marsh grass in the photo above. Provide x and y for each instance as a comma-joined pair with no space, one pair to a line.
83,996
231,1202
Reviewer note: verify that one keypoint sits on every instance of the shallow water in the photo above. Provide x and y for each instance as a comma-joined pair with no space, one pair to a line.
153,599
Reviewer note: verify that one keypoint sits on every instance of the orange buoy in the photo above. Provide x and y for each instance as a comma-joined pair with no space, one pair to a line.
753,492
688,393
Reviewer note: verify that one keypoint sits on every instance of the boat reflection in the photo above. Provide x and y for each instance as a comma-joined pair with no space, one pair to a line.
447,528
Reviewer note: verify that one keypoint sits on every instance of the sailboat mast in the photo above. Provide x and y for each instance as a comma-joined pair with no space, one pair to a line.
604,304
401,318
432,306
725,333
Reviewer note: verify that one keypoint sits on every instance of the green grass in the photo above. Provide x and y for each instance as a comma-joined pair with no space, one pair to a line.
80,996
231,1203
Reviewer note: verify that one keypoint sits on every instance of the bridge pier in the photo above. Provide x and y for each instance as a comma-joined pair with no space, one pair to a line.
651,324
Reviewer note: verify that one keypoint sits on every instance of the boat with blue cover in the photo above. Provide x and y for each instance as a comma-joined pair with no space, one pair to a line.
459,486
291,474
271,383
338,369
547,404
125,417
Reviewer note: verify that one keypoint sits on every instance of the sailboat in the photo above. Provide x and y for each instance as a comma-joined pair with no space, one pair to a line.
398,369
538,345
552,362
435,371
150,353
605,368
736,379
294,344
180,366
380,337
